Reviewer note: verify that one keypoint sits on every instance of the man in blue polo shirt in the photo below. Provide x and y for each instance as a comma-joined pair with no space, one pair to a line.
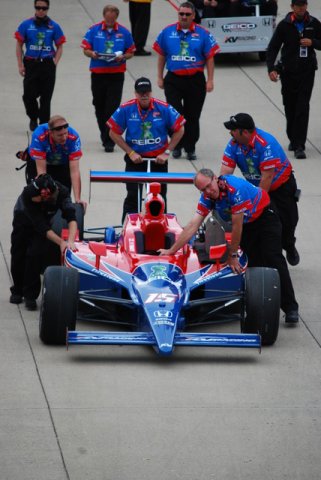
264,163
109,45
148,122
38,64
255,226
186,48
56,149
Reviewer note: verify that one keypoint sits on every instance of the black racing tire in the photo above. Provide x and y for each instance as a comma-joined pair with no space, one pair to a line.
59,304
262,303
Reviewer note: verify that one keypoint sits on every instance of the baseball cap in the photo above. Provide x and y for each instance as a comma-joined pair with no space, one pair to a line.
143,84
240,120
299,2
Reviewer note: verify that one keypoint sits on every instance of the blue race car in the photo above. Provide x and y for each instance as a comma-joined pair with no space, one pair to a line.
157,300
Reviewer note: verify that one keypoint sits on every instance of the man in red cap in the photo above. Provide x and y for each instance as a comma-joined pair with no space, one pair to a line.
297,35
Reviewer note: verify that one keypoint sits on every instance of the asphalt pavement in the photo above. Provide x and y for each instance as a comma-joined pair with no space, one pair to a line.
122,413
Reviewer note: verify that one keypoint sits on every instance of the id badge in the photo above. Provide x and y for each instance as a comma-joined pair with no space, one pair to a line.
303,52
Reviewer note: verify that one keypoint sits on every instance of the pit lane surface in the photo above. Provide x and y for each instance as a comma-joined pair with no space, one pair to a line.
121,413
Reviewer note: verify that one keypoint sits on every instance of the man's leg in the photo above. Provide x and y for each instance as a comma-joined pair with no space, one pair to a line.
48,79
30,90
114,91
194,97
99,83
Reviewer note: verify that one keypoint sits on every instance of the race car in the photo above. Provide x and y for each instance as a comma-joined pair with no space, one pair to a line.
161,301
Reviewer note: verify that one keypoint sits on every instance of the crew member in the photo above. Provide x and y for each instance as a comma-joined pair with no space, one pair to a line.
148,123
32,217
37,65
264,163
298,35
109,45
186,49
255,226
56,149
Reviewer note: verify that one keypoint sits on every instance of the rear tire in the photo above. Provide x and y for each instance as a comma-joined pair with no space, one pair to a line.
59,304
262,303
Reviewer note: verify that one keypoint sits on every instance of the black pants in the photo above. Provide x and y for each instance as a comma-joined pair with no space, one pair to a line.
296,92
107,89
187,95
261,241
38,82
131,200
286,205
139,15
27,251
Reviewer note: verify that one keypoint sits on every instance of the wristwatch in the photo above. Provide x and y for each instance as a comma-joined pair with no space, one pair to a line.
167,152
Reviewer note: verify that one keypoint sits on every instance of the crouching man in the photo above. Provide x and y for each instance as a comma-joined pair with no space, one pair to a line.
255,226
32,218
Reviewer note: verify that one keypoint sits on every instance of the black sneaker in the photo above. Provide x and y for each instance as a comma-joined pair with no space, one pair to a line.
300,153
292,256
109,148
30,304
177,153
191,156
33,124
142,53
292,317
15,298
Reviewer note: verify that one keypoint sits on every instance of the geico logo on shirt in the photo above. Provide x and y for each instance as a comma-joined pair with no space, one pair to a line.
181,58
146,141
40,47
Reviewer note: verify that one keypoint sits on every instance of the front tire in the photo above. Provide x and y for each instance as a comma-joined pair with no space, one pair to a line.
59,304
262,303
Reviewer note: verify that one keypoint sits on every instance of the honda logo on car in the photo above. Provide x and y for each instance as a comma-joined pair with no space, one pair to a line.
163,314
228,27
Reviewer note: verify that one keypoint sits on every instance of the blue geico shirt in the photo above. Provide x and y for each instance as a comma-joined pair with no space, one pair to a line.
102,40
146,130
39,40
236,196
43,147
186,52
262,153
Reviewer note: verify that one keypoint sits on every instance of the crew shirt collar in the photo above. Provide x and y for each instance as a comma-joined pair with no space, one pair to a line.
104,26
191,28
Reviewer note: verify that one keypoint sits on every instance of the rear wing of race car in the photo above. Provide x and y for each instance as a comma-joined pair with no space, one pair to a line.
106,176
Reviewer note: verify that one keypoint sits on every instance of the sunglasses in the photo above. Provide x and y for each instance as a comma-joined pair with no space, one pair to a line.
41,8
60,127
183,14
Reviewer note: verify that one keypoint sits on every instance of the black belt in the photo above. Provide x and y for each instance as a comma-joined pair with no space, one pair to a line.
39,60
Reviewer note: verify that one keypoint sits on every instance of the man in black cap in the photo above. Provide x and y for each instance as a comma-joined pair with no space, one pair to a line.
264,163
297,35
32,217
148,123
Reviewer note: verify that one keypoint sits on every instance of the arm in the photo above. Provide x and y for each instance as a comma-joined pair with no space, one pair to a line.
163,157
90,53
160,71
118,139
237,228
41,166
210,74
272,53
53,237
266,179
58,54
190,230
19,55
76,182
226,170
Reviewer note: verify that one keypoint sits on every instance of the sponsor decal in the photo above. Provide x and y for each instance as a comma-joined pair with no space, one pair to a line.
238,39
239,26
163,314
266,22
159,273
161,297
